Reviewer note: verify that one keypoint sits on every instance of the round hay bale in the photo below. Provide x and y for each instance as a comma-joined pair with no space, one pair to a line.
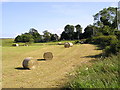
71,44
15,45
29,63
25,45
66,45
60,43
48,55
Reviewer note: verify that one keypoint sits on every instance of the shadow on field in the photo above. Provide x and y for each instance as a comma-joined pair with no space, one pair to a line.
94,56
41,60
99,47
21,68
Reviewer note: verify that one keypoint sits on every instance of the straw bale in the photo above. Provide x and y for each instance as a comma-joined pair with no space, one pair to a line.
66,45
15,45
48,55
29,63
71,44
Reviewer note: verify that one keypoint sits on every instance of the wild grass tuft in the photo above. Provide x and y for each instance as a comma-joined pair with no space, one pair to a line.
102,74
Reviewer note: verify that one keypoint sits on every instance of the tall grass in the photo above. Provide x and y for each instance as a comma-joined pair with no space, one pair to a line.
103,74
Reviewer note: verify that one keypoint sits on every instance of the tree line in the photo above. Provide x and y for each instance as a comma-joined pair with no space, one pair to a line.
34,36
103,32
104,24
70,33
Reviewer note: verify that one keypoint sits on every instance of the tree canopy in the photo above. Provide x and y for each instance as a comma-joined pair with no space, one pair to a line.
107,16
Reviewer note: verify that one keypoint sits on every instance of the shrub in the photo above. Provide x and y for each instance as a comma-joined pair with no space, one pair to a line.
117,33
110,44
114,48
89,40
24,38
104,41
76,42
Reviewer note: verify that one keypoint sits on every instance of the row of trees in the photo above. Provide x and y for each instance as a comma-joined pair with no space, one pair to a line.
34,36
104,24
70,33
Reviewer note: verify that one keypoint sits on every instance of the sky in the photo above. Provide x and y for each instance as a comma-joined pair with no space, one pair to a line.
19,17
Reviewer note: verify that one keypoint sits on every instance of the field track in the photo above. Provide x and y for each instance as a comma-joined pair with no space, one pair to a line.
48,74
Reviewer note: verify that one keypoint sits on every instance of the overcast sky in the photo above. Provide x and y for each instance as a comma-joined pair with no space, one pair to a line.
19,17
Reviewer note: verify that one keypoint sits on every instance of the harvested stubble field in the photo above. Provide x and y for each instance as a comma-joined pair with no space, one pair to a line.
50,73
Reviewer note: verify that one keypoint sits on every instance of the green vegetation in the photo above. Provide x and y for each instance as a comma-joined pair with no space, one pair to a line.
104,73
9,42
34,36
70,34
110,44
104,31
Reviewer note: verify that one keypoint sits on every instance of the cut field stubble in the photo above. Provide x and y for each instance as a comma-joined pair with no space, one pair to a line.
48,74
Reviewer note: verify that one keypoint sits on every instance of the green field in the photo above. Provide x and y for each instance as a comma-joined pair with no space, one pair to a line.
48,74
9,42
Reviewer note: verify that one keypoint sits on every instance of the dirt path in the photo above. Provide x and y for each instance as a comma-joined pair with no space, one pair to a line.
49,73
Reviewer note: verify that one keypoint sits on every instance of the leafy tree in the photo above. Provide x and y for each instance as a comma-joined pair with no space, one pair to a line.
78,32
78,28
26,37
106,30
117,33
54,37
64,36
32,31
88,31
105,20
109,36
46,36
18,39
69,29
107,16
36,36
68,33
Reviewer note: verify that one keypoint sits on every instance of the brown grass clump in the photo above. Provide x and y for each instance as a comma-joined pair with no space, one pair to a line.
48,55
29,63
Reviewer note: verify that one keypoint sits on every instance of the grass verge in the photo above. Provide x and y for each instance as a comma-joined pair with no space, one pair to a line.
104,73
